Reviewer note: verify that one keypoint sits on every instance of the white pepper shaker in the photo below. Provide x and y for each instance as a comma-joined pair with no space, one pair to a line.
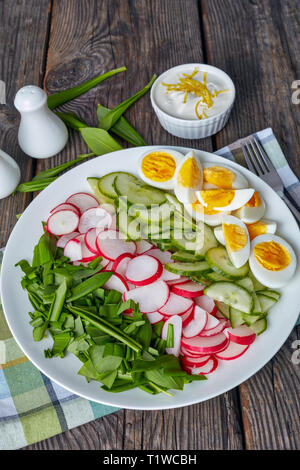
42,133
9,175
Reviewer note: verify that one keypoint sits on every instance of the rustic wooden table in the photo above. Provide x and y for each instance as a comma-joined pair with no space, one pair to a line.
61,43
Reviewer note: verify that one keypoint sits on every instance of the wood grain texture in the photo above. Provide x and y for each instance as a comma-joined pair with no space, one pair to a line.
23,36
262,35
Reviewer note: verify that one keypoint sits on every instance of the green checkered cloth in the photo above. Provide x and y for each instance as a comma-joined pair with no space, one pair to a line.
32,407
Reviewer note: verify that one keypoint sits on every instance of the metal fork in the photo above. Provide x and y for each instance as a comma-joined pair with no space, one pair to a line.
260,164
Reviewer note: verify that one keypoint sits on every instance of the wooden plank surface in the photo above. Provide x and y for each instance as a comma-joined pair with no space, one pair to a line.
62,43
252,42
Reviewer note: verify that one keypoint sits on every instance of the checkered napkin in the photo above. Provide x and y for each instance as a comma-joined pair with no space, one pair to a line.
32,407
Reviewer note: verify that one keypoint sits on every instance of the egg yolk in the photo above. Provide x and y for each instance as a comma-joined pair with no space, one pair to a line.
255,201
189,175
219,176
235,237
217,197
258,228
198,207
272,255
158,166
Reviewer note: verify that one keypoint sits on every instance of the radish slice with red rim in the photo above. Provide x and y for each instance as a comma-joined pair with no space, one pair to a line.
111,244
142,246
189,289
62,222
188,316
62,241
212,322
86,253
207,368
223,323
104,263
154,317
209,345
116,282
177,282
150,298
197,324
241,335
188,352
191,361
90,240
233,351
65,206
207,304
167,275
176,321
120,264
176,305
163,256
83,201
95,217
143,270
73,250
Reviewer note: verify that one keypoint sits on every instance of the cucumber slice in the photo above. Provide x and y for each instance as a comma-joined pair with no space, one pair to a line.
257,285
187,269
236,317
93,182
106,183
137,192
199,279
186,257
266,302
270,293
251,319
231,294
215,277
157,214
219,261
183,222
248,284
224,309
197,242
174,202
260,326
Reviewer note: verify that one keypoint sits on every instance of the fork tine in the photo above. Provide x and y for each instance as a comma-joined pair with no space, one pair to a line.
250,160
258,159
263,155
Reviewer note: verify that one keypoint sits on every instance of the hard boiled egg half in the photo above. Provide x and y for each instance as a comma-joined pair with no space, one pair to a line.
209,216
188,178
236,240
253,210
223,177
258,228
224,199
272,260
158,167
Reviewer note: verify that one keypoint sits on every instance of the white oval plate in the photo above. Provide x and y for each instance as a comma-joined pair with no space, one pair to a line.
64,371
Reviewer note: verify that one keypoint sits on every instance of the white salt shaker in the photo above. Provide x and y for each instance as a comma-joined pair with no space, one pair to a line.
9,175
42,133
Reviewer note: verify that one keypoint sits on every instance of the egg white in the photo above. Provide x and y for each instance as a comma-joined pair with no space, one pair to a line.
238,257
249,214
218,231
209,219
270,225
184,194
240,198
272,279
169,184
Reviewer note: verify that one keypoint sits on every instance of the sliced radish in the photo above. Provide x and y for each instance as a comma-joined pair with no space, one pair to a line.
73,250
176,321
142,246
105,263
90,240
191,361
83,201
143,270
154,317
219,315
188,352
111,245
150,298
207,304
109,267
207,368
181,280
62,241
65,205
223,323
120,264
163,256
95,217
212,322
62,222
209,345
189,289
87,255
116,282
233,351
167,275
188,316
197,324
176,305
240,335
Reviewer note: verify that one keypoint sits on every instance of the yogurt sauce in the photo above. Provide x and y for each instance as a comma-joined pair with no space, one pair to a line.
183,105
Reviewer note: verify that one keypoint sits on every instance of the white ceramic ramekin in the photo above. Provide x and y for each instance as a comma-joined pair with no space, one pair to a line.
192,128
